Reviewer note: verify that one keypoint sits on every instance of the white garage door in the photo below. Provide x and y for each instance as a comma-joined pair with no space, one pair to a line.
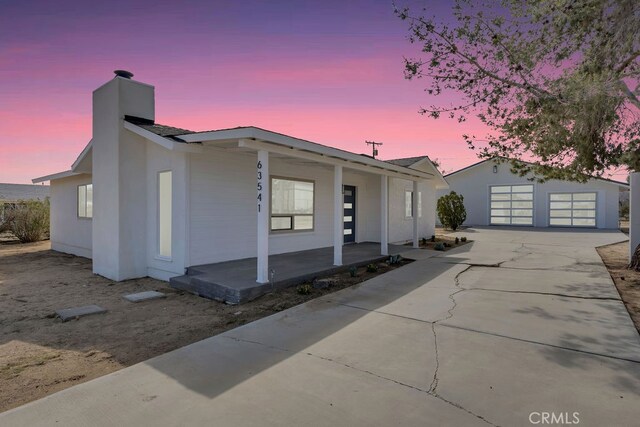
572,209
511,204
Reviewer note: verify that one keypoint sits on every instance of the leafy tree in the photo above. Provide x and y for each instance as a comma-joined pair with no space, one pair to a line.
556,81
451,210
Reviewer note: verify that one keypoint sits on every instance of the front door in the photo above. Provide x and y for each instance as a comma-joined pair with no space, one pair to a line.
349,214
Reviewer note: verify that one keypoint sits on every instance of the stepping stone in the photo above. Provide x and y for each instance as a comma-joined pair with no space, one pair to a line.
144,296
72,313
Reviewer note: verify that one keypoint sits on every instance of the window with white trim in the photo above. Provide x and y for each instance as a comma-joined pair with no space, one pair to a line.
164,213
408,204
85,201
292,204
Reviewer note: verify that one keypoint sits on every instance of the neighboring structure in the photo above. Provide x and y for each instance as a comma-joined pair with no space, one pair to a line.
144,199
15,192
493,195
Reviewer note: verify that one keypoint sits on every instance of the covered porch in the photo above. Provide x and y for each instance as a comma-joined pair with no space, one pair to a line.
234,282
325,171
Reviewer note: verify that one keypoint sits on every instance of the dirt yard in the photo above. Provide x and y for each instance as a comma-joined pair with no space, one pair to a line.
40,355
627,281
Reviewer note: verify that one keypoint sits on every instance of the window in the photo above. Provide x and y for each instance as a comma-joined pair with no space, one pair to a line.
291,204
419,204
164,214
408,204
511,204
85,201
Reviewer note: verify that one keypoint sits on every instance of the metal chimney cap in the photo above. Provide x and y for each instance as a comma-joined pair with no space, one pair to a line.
123,73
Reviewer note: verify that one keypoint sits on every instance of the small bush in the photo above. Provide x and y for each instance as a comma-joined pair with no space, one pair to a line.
394,259
451,210
353,271
433,238
439,246
304,289
457,240
447,244
423,241
6,217
372,268
31,220
463,239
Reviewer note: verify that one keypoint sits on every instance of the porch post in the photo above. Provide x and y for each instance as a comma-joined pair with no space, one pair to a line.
384,215
634,212
338,214
414,205
263,216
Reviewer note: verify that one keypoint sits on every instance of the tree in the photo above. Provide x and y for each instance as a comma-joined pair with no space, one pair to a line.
555,81
451,210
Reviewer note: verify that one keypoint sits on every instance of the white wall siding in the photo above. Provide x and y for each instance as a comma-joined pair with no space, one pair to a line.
401,227
160,160
223,216
69,234
474,184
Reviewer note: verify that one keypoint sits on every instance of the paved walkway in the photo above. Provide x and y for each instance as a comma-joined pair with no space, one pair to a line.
518,322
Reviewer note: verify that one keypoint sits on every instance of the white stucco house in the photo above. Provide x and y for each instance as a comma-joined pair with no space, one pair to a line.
493,195
144,199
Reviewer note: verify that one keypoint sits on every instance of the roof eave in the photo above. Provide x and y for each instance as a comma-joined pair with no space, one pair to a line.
54,176
301,144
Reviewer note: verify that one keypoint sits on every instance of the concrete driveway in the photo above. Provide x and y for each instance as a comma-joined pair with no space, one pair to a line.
518,324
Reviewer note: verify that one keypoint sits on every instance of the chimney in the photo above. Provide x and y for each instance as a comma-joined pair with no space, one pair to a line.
119,177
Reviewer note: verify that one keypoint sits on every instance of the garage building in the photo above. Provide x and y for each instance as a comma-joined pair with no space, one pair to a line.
493,195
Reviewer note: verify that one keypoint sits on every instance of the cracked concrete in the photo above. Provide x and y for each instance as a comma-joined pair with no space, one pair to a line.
518,321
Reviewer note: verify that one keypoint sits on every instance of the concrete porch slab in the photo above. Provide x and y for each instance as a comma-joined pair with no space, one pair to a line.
144,296
76,312
234,282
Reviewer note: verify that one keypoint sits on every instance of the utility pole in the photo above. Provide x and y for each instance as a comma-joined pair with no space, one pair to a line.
374,149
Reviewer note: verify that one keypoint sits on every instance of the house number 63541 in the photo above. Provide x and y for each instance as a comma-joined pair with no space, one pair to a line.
259,166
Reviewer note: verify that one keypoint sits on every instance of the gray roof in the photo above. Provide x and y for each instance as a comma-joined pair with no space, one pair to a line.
407,161
157,128
13,192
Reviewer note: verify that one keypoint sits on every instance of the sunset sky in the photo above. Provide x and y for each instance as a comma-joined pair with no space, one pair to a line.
327,71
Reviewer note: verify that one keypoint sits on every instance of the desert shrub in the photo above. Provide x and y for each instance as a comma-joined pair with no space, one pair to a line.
463,239
305,289
6,216
433,238
457,240
624,209
30,221
372,268
353,271
439,246
423,241
394,259
451,210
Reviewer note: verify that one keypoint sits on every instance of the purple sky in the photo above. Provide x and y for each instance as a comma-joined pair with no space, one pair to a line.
327,71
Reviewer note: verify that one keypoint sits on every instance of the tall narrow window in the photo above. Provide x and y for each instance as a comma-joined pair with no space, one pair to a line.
164,214
408,204
85,201
419,204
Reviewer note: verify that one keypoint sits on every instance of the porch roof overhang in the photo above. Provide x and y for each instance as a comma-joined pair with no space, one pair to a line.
252,138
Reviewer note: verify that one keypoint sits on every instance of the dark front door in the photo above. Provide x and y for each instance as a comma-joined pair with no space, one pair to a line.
349,214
